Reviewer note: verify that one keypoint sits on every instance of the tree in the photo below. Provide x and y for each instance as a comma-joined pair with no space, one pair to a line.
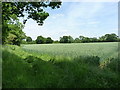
84,39
102,39
77,40
109,38
33,10
29,39
40,40
70,39
15,35
64,39
94,39
81,37
10,38
49,40
61,40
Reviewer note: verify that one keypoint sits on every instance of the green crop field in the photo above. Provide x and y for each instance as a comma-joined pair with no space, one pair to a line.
103,50
83,65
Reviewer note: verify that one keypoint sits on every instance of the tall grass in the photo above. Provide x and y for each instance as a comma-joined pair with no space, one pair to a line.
22,69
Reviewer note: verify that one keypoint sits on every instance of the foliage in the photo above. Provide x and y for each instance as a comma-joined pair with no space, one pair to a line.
29,39
34,10
94,39
40,40
43,40
82,39
66,39
77,40
15,34
49,40
109,38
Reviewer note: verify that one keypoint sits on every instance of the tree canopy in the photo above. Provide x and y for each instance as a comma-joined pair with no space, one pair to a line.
49,40
28,39
30,10
82,39
66,39
15,34
109,37
35,10
40,40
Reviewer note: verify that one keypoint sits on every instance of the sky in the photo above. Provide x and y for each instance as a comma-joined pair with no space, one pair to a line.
90,19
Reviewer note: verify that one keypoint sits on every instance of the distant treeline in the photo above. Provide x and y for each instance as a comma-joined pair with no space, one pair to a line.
69,39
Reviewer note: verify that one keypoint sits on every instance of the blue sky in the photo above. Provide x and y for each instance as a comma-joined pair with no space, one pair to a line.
91,19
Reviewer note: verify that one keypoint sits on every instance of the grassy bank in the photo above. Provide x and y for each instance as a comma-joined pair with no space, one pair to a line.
26,69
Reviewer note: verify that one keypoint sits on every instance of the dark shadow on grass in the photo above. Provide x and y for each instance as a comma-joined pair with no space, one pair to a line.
91,60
